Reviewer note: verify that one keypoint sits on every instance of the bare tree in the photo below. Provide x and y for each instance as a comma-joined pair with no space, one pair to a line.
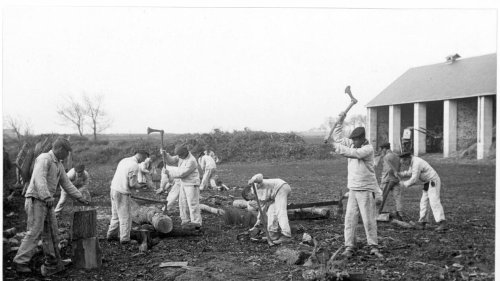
99,121
73,112
15,124
28,128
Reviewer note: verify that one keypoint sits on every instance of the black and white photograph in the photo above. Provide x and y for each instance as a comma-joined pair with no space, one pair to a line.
218,140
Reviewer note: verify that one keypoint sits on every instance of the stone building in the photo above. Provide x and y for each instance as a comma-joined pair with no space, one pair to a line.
452,103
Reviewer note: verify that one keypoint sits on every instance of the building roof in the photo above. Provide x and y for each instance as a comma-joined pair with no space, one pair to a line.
463,78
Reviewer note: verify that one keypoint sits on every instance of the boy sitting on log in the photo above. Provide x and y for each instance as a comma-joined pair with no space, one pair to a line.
273,196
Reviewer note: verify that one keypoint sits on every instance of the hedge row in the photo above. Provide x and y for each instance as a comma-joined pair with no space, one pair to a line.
237,146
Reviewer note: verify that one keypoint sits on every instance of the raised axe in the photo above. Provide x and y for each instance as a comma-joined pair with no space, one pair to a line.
342,114
150,130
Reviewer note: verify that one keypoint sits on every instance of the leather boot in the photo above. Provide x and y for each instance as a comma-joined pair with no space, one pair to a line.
349,252
441,226
22,268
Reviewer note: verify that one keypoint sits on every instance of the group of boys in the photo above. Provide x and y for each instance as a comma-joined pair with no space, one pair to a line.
182,175
365,193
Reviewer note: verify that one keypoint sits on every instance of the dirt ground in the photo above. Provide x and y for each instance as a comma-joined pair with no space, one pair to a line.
464,252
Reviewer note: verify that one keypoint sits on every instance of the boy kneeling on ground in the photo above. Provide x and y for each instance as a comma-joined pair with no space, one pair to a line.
273,197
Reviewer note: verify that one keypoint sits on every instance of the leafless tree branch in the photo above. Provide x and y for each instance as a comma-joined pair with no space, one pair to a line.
72,112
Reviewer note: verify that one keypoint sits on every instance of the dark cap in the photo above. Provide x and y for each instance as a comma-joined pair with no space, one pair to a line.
358,132
79,168
405,154
385,145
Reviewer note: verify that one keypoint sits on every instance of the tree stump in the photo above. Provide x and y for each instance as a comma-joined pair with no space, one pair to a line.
86,251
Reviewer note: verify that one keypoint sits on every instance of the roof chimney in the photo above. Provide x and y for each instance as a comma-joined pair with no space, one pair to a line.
452,58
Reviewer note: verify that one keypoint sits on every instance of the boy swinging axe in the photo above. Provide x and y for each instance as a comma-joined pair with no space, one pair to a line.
361,181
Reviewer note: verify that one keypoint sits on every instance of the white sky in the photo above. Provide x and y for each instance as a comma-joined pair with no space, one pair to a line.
195,69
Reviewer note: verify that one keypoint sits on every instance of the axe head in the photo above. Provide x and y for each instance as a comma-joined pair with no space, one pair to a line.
150,130
348,90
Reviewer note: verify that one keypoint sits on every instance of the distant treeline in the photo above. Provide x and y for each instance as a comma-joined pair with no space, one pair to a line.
236,146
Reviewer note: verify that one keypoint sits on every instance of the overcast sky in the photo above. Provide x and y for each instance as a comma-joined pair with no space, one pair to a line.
196,69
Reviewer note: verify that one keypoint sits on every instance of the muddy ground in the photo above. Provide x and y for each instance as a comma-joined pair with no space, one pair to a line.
464,252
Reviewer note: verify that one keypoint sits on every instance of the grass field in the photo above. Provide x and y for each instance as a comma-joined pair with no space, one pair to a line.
466,250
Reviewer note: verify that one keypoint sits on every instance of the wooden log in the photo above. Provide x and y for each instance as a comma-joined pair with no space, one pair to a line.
235,216
325,212
84,224
211,210
402,224
308,214
87,253
240,203
152,215
8,233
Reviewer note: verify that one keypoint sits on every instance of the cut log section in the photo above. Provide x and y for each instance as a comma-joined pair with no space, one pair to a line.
152,215
232,215
84,224
86,250
87,253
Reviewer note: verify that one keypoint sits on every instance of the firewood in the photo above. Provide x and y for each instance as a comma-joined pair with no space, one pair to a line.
86,250
8,233
402,224
152,215
240,203
212,210
308,214
84,224
87,253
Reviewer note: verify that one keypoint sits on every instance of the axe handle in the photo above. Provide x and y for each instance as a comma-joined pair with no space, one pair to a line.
162,155
53,235
341,118
263,217
148,199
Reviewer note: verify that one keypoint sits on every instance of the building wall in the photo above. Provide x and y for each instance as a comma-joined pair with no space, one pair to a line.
382,124
466,122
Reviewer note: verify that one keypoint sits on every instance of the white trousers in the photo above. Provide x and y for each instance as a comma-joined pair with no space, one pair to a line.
360,203
277,216
206,180
37,226
189,204
432,197
121,219
173,196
